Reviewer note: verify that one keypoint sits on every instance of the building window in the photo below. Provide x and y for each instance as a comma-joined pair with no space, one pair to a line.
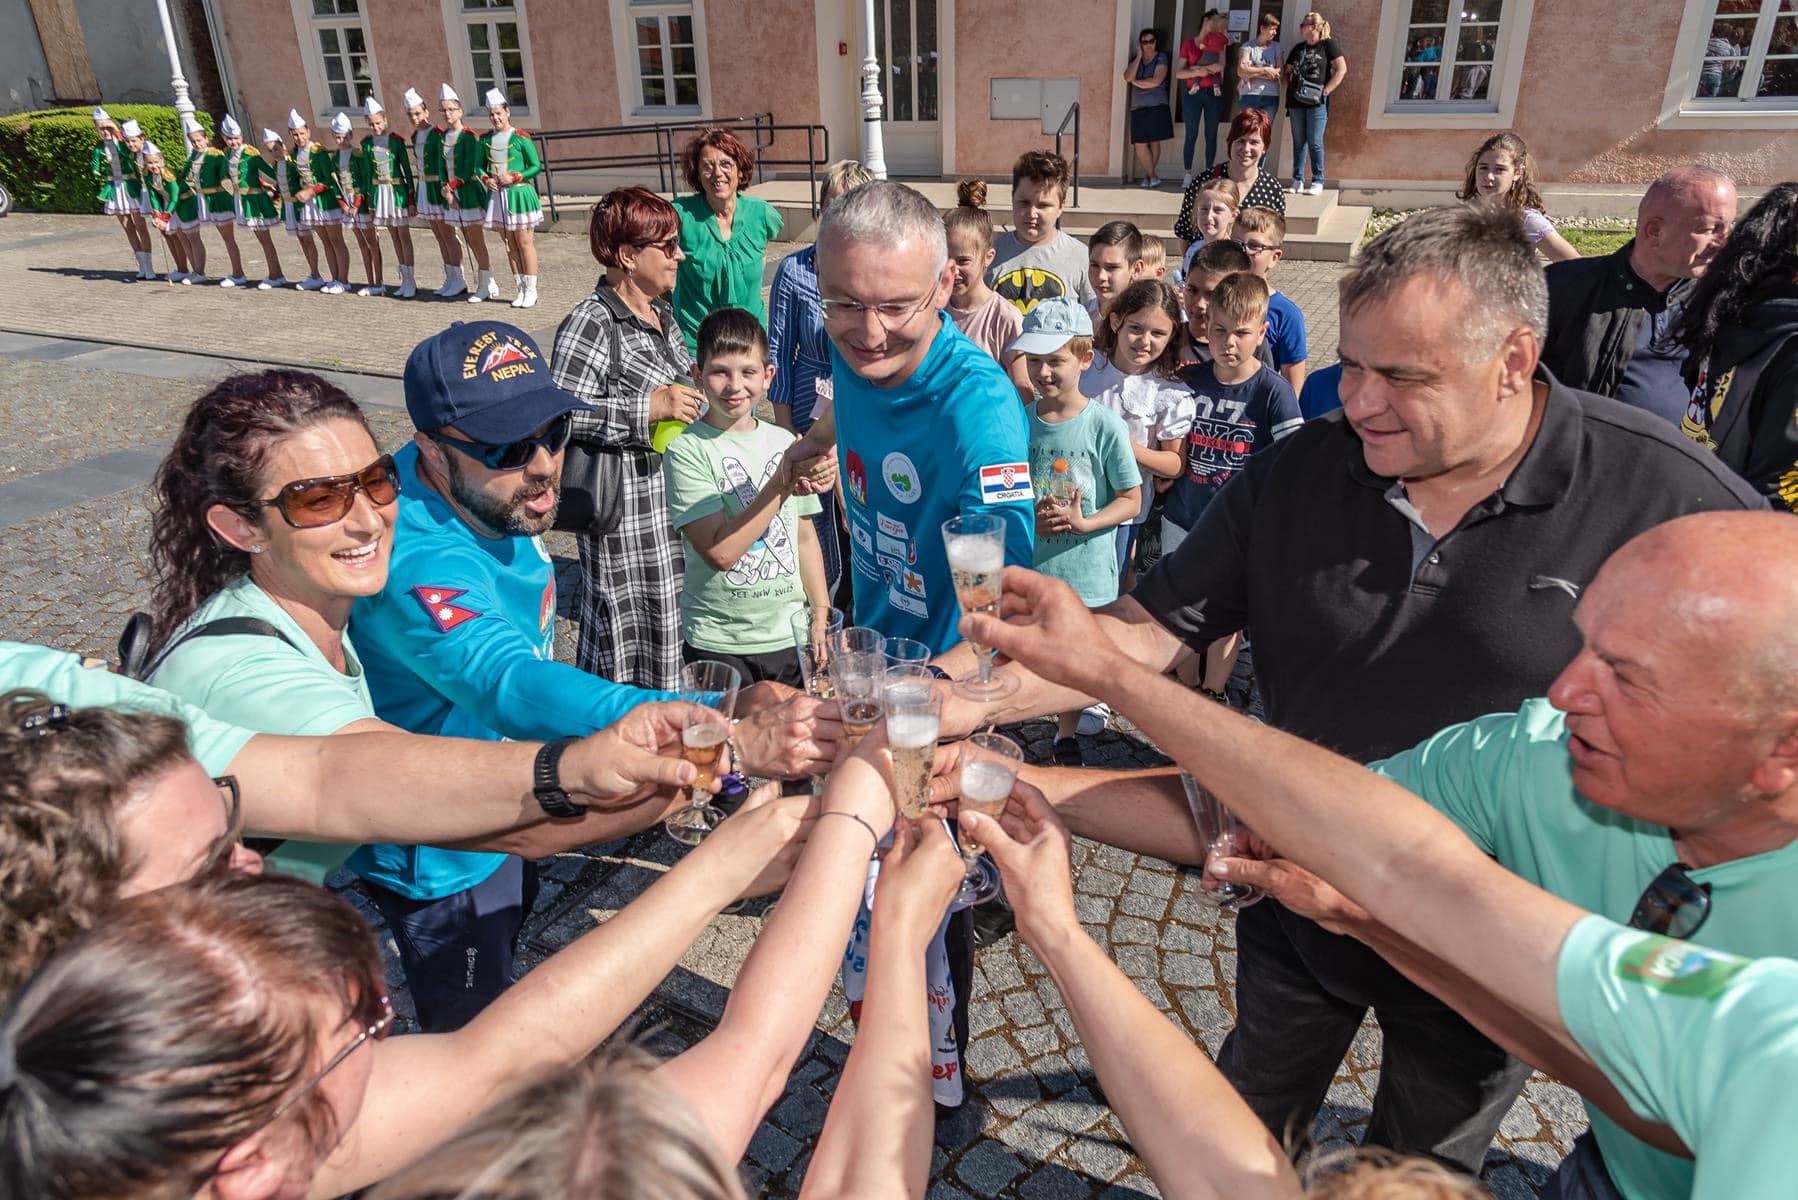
494,34
667,56
1749,56
342,44
1451,51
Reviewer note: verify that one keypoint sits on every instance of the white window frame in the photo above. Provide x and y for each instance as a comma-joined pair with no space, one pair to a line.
631,108
474,103
1680,106
1497,111
306,26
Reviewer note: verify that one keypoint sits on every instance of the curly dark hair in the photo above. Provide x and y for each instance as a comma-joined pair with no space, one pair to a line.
147,1048
219,458
1762,248
724,140
62,860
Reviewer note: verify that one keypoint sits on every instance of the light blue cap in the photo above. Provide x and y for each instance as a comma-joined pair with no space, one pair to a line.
1050,323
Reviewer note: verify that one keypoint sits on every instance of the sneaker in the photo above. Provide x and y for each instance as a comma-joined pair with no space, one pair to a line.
335,288
1186,181
1298,186
371,290
234,281
311,283
277,282
1093,718
1068,754
1147,183
193,277
1316,188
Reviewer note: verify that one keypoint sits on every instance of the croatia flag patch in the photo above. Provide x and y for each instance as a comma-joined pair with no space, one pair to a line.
1005,481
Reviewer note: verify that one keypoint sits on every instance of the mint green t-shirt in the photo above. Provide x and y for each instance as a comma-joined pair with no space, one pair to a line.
265,684
85,683
1507,781
749,608
1705,1042
1096,444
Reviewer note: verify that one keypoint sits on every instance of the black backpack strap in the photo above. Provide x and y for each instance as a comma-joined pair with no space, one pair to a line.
223,627
134,646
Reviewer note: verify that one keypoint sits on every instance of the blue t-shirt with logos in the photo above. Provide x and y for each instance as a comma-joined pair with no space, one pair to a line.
461,642
949,440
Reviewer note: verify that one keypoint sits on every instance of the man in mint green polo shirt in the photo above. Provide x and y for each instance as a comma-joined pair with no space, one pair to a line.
1700,1039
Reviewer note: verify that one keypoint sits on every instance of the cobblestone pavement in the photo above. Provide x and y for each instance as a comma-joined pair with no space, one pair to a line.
1035,1126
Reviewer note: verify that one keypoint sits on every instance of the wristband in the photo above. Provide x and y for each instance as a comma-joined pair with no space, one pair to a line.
546,781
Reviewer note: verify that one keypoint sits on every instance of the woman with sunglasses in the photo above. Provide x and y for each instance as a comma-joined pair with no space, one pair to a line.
97,806
276,512
621,351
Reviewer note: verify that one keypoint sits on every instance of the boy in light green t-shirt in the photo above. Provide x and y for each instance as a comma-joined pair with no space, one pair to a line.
751,562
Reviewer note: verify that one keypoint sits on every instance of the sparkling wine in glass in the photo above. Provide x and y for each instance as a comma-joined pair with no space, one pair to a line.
1223,837
914,717
989,767
711,688
975,544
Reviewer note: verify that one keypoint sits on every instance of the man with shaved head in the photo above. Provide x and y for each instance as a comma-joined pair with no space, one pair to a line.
1608,317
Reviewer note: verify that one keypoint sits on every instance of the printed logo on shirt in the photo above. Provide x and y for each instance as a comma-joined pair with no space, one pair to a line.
436,601
546,612
855,476
1679,968
912,582
1027,286
891,527
1005,481
858,533
901,477
907,603
889,545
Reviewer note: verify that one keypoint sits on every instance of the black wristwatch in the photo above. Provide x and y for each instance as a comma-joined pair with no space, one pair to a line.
936,672
546,781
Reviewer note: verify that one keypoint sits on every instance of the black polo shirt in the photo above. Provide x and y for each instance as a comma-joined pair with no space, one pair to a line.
1369,634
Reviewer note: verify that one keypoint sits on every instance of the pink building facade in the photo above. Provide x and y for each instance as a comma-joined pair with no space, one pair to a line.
1604,93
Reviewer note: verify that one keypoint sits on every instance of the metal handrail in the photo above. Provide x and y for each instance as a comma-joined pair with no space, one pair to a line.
1072,114
665,157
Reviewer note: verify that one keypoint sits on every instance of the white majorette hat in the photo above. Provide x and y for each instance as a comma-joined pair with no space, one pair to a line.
131,128
189,125
446,92
371,106
101,114
294,120
229,126
340,124
150,148
496,99
412,99
269,135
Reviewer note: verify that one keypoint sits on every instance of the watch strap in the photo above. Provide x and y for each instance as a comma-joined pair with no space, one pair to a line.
546,780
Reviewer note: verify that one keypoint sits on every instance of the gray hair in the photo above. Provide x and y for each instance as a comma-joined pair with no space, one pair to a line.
889,213
842,175
1479,247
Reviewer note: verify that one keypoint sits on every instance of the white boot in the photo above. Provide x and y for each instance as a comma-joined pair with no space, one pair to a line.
517,290
408,285
454,282
484,288
146,266
527,292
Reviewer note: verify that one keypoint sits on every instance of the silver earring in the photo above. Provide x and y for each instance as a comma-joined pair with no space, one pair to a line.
257,549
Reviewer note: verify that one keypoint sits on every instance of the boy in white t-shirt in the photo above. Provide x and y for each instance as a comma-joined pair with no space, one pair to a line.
751,561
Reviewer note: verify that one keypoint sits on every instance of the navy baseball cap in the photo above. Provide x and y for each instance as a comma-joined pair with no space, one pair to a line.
486,378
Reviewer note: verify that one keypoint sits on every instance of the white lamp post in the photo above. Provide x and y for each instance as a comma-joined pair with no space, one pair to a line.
873,151
183,105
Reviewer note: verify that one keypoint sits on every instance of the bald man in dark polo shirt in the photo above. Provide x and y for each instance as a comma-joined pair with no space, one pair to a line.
1408,563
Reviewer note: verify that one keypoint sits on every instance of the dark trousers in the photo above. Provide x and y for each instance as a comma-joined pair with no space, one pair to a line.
458,949
782,666
1582,1174
1301,994
1200,108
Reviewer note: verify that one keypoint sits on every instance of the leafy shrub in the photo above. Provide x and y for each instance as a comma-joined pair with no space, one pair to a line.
46,157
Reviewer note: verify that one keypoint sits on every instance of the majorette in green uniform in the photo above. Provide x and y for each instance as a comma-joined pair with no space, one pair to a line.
251,180
114,164
162,195
322,208
427,191
385,178
510,164
220,170
464,196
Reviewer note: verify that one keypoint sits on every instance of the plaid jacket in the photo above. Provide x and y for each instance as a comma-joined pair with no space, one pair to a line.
630,598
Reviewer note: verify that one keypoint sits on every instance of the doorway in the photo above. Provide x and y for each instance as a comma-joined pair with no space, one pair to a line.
907,43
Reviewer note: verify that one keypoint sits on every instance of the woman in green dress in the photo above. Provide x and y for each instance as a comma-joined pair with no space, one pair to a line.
387,182
464,197
115,166
321,204
512,162
428,199
292,190
208,169
163,195
190,211
252,183
724,233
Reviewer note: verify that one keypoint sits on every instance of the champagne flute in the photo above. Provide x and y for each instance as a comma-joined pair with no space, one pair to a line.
902,651
989,767
1224,837
816,628
860,681
711,688
975,543
914,714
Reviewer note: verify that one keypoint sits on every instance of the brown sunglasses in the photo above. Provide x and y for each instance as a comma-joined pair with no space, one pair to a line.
309,503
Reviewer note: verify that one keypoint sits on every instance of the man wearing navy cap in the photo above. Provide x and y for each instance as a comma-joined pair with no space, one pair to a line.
461,642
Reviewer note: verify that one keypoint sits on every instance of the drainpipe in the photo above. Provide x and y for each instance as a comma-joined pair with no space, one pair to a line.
873,151
183,105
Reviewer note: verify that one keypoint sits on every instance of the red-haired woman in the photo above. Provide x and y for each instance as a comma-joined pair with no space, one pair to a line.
1249,131
724,233
621,351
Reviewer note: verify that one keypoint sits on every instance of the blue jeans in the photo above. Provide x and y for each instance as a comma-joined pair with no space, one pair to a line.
1308,133
1203,107
1267,104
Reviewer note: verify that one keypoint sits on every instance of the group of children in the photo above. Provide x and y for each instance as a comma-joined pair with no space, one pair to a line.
454,179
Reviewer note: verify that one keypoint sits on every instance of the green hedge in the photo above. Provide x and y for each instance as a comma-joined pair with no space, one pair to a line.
46,157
